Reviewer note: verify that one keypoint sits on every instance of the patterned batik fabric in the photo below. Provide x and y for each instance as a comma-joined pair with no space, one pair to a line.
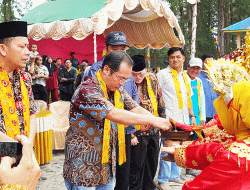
16,90
145,100
84,138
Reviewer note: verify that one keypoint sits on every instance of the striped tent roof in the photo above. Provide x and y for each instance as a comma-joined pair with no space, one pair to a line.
145,22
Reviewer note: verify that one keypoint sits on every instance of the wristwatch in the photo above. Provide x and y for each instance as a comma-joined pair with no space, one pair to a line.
192,116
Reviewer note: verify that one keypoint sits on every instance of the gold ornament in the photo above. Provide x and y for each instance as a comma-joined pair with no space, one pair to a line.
224,73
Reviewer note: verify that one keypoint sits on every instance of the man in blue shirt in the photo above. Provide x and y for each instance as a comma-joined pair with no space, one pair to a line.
198,97
210,94
117,41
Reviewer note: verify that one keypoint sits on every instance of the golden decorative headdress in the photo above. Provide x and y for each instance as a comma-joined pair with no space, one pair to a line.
224,74
244,55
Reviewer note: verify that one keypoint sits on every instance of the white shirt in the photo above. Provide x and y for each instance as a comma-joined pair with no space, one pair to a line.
170,97
33,53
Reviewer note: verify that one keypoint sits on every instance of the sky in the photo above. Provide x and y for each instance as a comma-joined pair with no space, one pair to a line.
35,3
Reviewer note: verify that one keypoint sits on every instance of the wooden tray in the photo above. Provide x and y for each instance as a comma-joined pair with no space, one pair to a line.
176,135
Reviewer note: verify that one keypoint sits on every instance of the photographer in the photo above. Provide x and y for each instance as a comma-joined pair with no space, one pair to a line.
26,174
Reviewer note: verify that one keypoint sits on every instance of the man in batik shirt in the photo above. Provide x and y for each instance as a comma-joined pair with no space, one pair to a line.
144,153
96,108
17,106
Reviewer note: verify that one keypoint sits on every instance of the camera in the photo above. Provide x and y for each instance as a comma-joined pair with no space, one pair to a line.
11,149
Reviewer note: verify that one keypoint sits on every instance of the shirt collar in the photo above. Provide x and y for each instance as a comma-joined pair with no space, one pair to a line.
169,70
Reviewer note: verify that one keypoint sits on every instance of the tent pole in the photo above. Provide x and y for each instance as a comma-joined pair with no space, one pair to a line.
194,26
238,40
95,48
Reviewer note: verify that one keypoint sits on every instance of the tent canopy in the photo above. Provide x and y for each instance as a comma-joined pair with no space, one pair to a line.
241,26
63,10
239,29
145,22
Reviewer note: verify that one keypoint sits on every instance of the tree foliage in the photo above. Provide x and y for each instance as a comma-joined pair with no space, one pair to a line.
207,19
13,10
209,12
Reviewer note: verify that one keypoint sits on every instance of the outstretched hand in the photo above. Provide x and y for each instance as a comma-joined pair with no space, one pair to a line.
169,150
162,123
27,173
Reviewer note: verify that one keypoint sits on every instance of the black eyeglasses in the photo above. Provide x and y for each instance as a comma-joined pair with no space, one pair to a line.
119,78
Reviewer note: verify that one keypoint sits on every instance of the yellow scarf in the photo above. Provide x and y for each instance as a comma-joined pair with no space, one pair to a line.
199,96
119,103
178,88
152,99
9,107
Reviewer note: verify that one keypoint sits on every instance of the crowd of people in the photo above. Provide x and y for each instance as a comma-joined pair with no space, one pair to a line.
51,76
118,111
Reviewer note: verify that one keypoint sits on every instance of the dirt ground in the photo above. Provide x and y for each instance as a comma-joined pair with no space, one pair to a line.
52,179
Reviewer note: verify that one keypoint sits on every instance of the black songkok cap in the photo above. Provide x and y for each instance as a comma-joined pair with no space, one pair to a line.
13,29
139,63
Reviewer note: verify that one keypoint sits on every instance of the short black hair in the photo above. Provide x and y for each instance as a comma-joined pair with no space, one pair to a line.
67,60
174,49
114,59
33,45
6,41
85,60
58,58
37,56
72,53
205,56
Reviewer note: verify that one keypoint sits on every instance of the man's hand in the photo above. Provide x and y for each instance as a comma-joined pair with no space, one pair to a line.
27,173
170,143
169,150
63,80
193,121
203,122
134,141
161,123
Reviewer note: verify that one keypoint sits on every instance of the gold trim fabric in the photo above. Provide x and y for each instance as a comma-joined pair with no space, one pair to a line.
145,23
12,187
242,150
180,154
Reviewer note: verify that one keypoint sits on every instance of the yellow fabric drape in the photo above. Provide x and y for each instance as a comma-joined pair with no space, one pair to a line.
9,107
178,88
199,97
235,117
152,100
119,103
43,138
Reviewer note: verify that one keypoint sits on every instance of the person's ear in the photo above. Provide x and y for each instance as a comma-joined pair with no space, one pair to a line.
106,70
3,50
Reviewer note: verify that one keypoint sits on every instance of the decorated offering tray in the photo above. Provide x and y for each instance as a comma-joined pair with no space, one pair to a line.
179,132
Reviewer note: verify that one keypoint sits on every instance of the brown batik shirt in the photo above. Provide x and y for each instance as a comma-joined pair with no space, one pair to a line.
146,103
84,139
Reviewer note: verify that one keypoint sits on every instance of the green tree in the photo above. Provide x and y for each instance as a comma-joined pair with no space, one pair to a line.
12,9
